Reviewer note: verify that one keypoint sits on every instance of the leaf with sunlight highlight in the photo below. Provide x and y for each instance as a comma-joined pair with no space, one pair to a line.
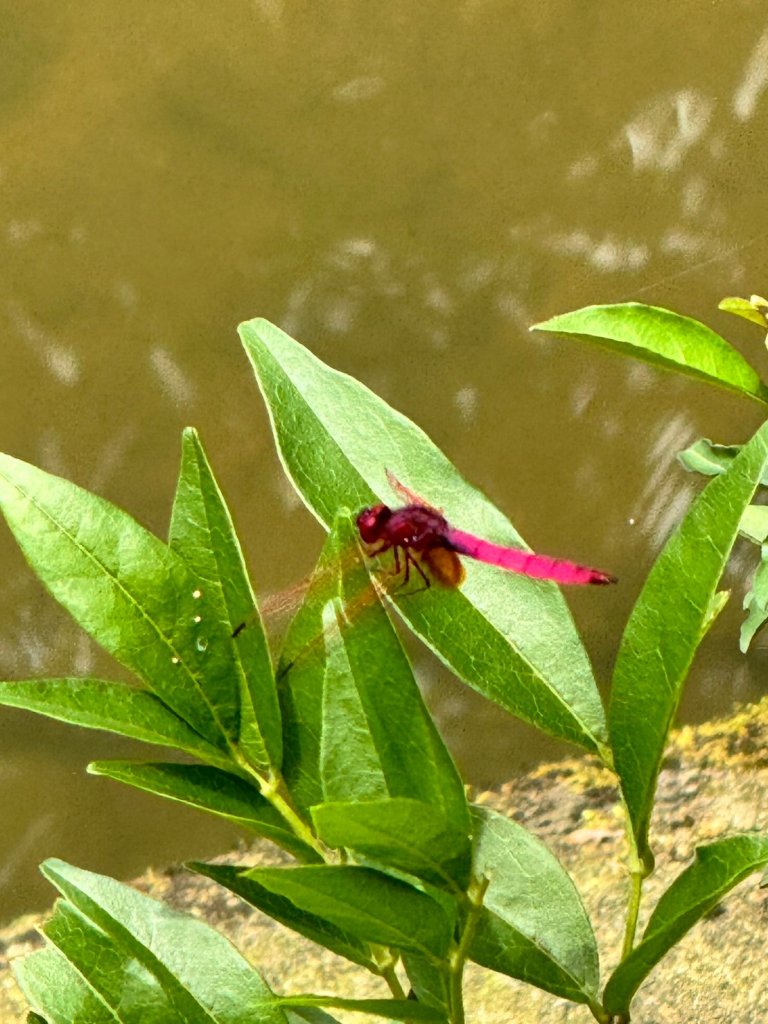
753,309
132,593
666,626
202,533
510,637
114,949
665,339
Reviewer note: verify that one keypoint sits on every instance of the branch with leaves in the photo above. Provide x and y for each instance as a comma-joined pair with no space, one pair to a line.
331,754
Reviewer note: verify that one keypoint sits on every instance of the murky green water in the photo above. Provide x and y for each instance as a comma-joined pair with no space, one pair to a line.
405,188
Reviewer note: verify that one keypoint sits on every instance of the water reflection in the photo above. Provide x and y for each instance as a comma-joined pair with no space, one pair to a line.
751,88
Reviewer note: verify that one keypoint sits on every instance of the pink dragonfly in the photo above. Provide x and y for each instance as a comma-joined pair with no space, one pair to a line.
422,536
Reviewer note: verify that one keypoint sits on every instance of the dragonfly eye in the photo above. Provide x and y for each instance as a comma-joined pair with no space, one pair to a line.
370,522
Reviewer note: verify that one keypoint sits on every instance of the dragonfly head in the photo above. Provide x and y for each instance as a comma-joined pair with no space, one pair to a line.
371,522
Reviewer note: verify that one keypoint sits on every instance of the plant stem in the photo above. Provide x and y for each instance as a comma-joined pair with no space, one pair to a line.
389,975
458,958
633,909
637,873
273,789
600,1015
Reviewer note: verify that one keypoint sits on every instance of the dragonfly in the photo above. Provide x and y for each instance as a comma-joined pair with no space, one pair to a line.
421,538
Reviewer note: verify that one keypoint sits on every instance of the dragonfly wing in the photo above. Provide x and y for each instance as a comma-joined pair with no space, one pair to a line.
444,566
409,497
515,560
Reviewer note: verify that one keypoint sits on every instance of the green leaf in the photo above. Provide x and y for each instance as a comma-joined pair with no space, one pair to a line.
203,534
533,925
280,908
664,338
430,981
755,602
748,309
392,1009
132,992
373,710
409,835
55,988
208,789
114,707
200,973
666,627
716,869
510,637
364,719
134,595
712,460
708,458
754,524
301,676
375,907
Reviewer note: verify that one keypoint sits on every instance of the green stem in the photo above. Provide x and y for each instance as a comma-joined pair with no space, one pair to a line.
600,1015
633,909
389,975
637,874
458,958
273,789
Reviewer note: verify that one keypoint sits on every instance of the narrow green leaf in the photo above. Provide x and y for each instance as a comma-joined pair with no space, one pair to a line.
664,338
280,908
409,835
369,728
57,991
712,460
716,869
350,762
755,602
132,993
301,674
114,707
203,534
510,637
208,789
666,627
430,981
753,309
533,925
201,973
375,907
134,595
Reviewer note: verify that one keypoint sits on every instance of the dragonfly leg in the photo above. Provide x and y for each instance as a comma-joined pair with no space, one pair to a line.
410,560
396,571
